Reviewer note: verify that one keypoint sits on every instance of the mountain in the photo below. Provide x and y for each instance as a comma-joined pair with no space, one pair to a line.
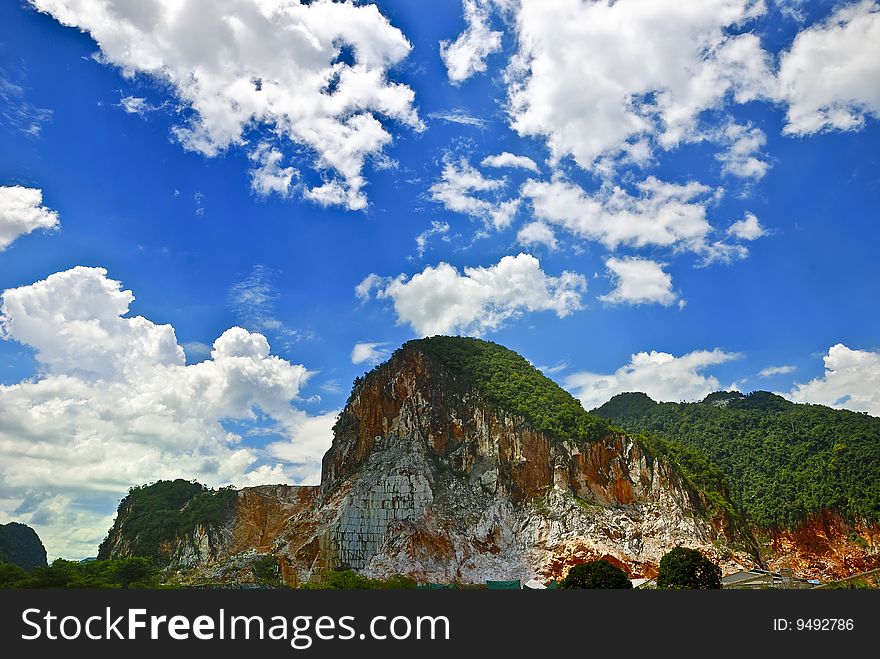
453,460
21,546
806,476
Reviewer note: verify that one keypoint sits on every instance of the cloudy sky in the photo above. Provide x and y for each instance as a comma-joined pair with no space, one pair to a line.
214,215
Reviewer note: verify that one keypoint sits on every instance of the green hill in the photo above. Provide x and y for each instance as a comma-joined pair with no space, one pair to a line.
784,460
509,381
21,546
153,515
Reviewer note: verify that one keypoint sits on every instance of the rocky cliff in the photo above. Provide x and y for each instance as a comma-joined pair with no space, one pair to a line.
444,472
20,545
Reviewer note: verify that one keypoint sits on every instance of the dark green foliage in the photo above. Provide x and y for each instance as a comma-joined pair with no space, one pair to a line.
626,405
510,382
20,545
118,573
596,574
784,461
266,571
12,576
155,514
685,568
351,580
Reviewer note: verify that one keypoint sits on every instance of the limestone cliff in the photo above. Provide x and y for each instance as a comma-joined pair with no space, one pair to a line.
430,476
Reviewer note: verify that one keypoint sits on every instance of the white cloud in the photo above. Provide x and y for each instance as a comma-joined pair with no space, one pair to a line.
238,64
437,229
74,320
268,175
748,228
308,442
507,159
740,159
116,406
664,214
721,252
459,116
440,300
537,233
639,281
851,381
598,78
467,54
370,353
136,105
772,371
661,375
830,77
463,188
22,211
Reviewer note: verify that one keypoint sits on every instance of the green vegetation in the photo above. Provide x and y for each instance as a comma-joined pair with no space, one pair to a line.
784,461
157,514
511,383
596,574
21,546
351,580
684,568
134,572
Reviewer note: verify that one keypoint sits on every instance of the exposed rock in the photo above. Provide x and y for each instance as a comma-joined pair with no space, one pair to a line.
825,547
426,478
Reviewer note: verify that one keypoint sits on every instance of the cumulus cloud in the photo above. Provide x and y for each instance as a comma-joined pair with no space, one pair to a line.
662,214
537,233
597,79
115,406
441,300
268,175
664,377
639,281
851,381
463,189
315,73
772,371
507,159
369,353
467,54
830,77
21,212
741,157
748,228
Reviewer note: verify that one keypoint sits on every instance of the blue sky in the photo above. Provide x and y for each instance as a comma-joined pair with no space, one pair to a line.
767,261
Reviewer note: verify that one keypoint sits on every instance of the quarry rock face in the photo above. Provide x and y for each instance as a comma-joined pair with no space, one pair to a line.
426,478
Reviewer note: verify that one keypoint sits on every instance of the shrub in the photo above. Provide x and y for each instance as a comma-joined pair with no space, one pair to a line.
684,568
596,574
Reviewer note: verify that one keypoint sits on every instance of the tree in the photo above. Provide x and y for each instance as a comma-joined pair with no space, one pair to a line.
12,576
684,568
596,574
